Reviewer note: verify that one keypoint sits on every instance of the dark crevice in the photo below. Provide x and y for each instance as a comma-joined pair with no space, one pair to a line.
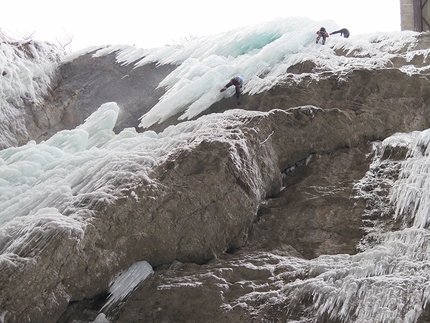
85,310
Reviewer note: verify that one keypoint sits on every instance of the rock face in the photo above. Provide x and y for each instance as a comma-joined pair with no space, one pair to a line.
231,206
76,90
82,85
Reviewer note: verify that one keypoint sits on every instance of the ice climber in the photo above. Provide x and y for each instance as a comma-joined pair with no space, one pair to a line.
237,81
343,32
322,33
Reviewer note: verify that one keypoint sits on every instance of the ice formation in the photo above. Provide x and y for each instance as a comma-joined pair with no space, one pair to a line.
126,282
386,282
261,54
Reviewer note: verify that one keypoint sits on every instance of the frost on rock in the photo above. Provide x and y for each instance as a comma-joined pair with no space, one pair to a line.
388,281
26,70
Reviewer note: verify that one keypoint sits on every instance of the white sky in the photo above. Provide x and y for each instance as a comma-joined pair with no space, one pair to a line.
156,23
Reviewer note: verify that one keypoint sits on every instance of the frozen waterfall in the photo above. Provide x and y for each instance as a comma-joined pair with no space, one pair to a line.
42,184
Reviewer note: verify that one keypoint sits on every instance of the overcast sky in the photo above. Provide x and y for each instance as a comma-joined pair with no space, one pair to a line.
156,23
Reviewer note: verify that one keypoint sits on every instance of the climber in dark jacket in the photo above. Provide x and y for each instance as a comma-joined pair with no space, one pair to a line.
237,81
322,33
343,32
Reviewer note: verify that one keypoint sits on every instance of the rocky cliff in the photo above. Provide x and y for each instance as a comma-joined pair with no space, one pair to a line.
233,219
